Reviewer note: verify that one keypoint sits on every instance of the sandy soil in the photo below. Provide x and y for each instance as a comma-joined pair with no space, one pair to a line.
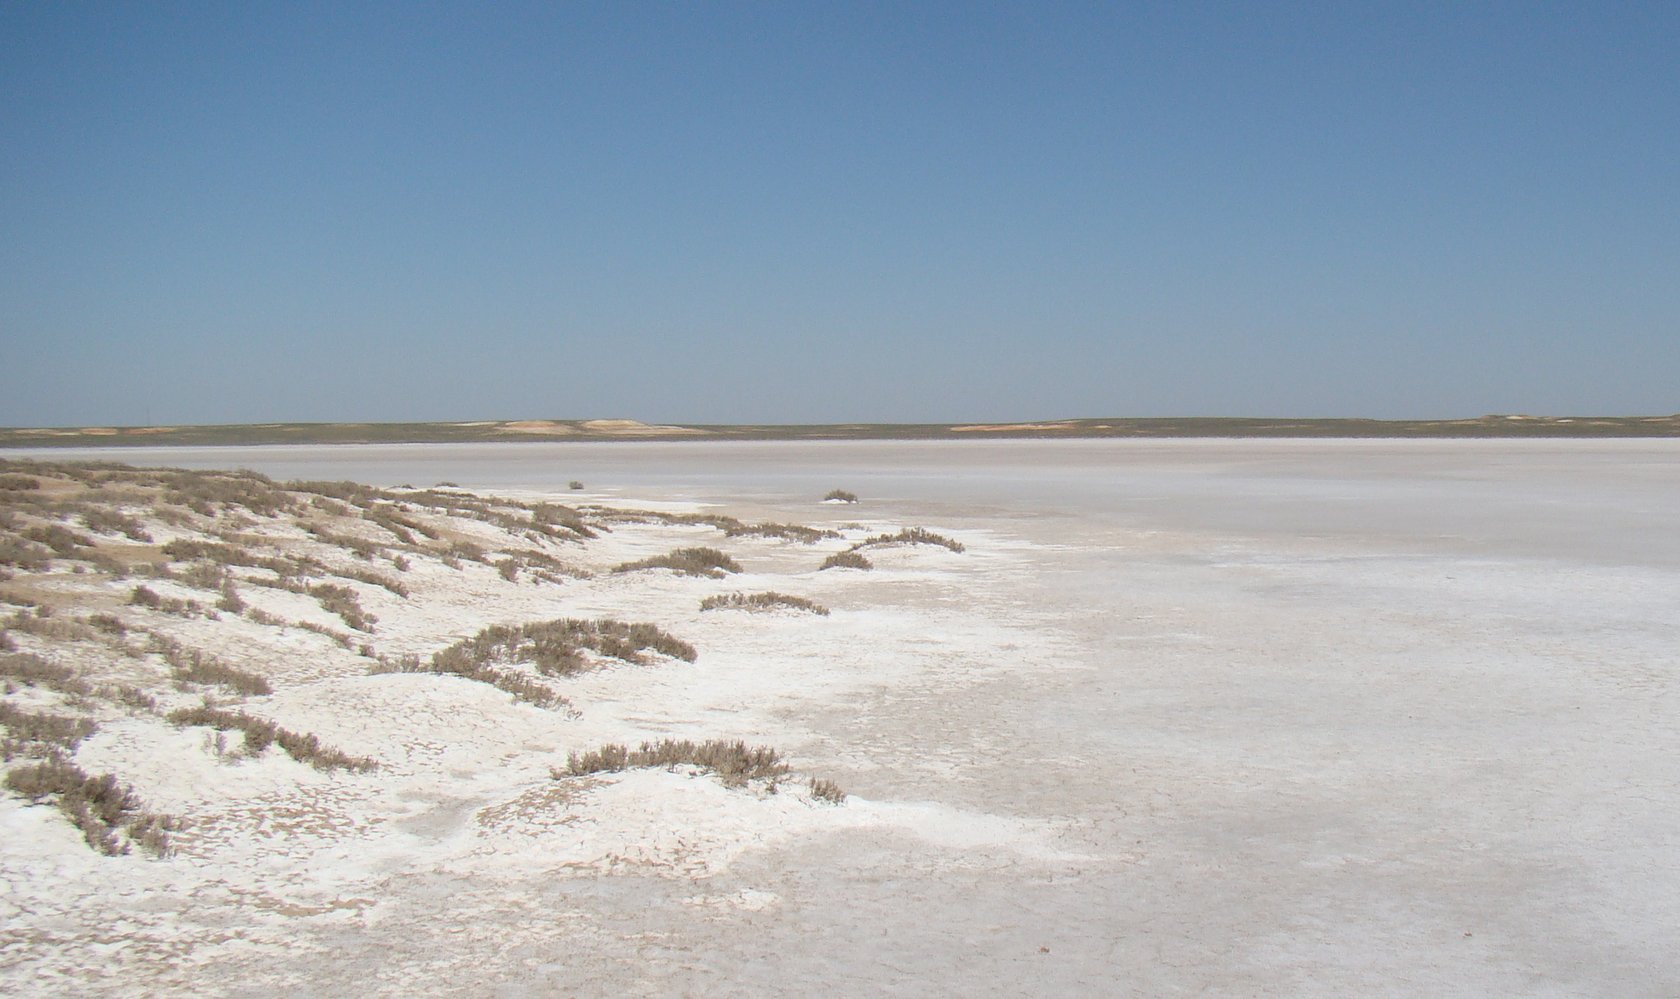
1237,718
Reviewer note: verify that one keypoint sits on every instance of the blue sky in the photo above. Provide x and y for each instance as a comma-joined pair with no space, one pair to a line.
817,213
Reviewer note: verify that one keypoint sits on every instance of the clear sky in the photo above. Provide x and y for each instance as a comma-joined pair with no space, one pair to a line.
800,212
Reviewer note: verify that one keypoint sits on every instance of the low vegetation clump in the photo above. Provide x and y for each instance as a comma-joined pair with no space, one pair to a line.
707,562
145,596
846,560
19,483
341,600
61,540
194,666
556,648
769,600
261,733
827,790
522,687
733,762
788,532
840,496
108,813
911,536
37,733
33,671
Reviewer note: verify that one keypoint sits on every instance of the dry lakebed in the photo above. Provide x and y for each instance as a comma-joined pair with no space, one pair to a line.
1051,717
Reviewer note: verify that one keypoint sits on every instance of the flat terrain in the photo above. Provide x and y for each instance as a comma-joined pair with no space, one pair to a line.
1501,426
1237,717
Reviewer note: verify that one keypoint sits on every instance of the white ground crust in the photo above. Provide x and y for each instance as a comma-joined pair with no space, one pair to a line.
1278,721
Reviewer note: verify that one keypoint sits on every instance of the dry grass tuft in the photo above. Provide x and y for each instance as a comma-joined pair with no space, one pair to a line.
840,496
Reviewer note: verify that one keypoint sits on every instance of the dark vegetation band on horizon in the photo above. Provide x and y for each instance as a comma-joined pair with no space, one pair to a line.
553,430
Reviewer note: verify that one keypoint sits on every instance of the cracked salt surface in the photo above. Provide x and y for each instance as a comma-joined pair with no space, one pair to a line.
1254,717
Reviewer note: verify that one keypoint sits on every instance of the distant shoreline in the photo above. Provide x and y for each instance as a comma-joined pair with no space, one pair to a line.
619,430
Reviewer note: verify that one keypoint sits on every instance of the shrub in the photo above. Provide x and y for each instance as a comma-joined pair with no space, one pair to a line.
19,483
193,666
145,596
34,731
733,762
840,496
260,734
707,562
911,536
28,668
522,687
827,790
574,484
341,600
100,807
231,601
23,555
769,600
789,532
103,521
556,648
849,559
508,569
61,540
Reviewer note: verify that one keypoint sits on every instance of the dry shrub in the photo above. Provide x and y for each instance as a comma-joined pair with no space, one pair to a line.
19,483
30,669
194,666
145,596
707,562
840,496
260,734
733,762
827,790
556,648
522,687
787,532
60,539
846,560
35,732
341,600
911,536
101,520
22,554
101,807
769,600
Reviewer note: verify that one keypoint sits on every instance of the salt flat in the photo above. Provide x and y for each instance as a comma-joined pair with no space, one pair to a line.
1235,717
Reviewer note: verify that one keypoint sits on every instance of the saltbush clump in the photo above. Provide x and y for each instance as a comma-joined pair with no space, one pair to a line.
911,536
769,600
707,562
734,762
846,560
